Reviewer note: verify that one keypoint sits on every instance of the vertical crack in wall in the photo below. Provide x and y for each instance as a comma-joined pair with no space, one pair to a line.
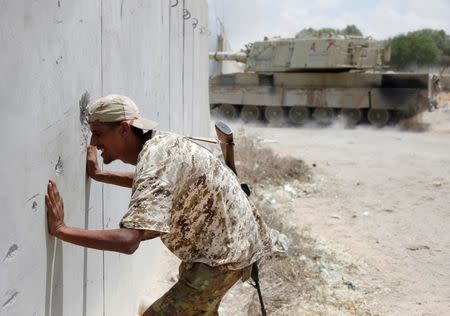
194,69
170,67
182,74
102,185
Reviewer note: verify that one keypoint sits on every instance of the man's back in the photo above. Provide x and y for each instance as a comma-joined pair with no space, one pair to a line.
198,205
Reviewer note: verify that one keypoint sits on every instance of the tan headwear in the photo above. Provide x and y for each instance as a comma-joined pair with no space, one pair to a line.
117,108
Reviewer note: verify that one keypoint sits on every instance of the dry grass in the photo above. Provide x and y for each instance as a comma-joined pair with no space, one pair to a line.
260,165
298,282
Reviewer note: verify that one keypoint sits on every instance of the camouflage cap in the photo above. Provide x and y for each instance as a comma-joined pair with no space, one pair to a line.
117,108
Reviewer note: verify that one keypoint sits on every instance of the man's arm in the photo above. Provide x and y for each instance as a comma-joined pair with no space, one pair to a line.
124,179
122,240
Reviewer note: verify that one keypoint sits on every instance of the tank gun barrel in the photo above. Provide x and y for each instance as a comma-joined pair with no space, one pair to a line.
224,56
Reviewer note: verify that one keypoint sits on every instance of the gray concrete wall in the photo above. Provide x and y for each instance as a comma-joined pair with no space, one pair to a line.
52,53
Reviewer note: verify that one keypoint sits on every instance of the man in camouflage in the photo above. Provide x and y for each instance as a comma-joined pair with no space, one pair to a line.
181,193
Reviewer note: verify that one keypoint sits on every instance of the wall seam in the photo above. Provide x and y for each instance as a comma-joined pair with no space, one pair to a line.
194,69
170,68
182,74
103,186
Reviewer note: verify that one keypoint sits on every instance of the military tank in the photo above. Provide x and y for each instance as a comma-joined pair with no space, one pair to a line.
318,78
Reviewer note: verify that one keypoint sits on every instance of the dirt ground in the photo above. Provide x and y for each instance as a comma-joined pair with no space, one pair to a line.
379,199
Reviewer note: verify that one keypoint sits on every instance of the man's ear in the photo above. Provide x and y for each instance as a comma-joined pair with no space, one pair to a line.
125,128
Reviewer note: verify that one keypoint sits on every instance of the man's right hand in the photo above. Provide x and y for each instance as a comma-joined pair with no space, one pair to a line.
123,179
92,168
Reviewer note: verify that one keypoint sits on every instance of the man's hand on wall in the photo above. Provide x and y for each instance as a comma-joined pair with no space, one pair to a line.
55,209
92,168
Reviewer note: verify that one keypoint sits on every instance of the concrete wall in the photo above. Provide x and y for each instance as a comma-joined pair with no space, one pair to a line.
52,53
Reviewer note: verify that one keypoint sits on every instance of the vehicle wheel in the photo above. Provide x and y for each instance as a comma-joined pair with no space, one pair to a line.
228,111
299,114
324,115
250,113
378,117
274,114
352,116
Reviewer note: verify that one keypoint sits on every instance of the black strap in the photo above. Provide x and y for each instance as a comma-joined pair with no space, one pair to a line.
255,278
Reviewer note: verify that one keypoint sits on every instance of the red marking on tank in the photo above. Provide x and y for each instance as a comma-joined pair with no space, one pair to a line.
330,44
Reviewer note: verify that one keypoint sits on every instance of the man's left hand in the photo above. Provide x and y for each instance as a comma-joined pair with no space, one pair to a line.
55,209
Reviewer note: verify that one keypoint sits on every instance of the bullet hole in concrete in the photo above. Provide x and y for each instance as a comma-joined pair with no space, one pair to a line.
11,298
11,252
83,105
34,206
59,167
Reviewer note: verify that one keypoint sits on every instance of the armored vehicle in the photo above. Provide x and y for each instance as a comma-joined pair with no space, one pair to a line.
299,79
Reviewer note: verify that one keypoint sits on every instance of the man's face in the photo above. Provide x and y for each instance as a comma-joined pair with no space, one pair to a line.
108,140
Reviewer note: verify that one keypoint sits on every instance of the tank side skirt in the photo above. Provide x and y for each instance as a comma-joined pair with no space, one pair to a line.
276,96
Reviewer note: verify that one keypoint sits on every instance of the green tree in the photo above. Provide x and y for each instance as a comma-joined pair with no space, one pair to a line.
439,37
351,30
414,49
311,32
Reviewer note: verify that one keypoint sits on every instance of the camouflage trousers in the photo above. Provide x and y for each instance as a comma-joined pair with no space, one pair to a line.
199,290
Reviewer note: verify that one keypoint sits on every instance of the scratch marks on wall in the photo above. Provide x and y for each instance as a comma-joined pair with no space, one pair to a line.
11,252
11,298
83,105
59,168
34,196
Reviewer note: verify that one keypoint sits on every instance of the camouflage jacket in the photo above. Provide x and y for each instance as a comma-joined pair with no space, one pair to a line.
183,191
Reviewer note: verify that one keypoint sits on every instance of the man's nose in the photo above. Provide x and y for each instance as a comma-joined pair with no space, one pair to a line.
93,141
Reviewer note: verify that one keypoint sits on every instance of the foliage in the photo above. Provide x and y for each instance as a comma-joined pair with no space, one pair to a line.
352,30
420,48
311,32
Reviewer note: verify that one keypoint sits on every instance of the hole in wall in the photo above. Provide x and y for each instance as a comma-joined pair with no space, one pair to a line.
84,110
59,167
11,252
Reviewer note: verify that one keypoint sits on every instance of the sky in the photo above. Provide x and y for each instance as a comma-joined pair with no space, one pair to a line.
246,21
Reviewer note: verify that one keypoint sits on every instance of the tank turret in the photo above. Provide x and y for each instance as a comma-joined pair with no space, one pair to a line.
311,54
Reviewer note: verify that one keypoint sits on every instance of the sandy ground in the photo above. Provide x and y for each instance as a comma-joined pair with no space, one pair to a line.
382,198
